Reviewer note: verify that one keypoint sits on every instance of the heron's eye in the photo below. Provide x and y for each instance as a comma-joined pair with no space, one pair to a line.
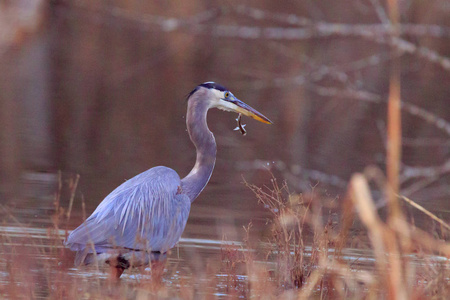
227,94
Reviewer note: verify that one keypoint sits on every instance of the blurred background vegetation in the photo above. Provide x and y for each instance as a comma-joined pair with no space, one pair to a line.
97,88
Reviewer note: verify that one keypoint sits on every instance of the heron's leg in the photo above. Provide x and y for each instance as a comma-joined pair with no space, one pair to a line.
117,265
157,267
115,273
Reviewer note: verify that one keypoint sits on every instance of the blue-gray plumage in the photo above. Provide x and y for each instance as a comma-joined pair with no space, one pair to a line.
145,216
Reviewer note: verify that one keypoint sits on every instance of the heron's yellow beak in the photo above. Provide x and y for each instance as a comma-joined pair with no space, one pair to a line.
238,106
253,113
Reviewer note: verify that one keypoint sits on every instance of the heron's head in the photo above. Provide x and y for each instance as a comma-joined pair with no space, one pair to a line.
220,97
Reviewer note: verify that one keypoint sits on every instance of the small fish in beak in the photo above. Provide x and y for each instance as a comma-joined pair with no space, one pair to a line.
240,126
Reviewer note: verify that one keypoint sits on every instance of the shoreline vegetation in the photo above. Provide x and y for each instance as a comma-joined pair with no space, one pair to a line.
305,254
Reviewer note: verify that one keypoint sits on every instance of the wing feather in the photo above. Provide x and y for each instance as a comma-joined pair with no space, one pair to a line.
144,213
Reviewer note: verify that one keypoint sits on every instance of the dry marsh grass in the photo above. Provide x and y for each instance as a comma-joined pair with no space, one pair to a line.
303,255
408,263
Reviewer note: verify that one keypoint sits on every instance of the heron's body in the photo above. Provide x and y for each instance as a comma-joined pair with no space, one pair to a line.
145,216
146,213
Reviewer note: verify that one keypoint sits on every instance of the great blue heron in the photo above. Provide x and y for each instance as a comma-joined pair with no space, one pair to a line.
145,216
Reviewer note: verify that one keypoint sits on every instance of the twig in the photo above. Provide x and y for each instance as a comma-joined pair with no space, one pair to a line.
425,211
381,12
72,195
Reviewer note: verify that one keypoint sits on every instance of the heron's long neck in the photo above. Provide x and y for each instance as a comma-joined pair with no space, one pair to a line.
205,143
